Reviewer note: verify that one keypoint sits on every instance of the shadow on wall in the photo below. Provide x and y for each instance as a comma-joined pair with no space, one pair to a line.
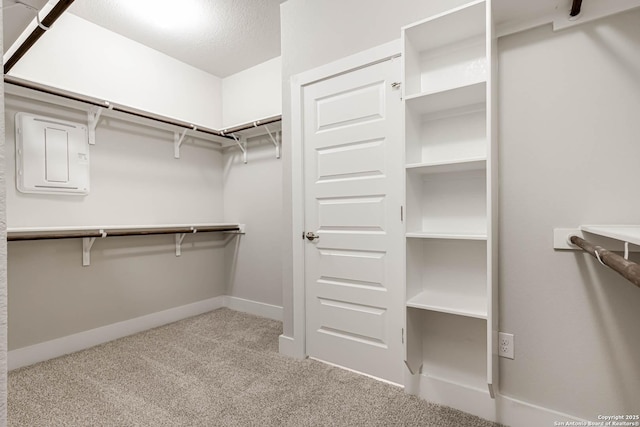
614,302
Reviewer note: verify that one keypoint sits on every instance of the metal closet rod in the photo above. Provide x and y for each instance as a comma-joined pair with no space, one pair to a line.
575,7
97,103
37,32
627,269
226,133
117,233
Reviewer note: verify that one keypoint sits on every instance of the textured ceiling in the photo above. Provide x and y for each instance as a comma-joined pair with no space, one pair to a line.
221,37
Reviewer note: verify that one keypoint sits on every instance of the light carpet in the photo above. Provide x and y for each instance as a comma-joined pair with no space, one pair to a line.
218,369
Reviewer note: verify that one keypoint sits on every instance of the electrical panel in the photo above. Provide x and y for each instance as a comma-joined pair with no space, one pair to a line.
52,156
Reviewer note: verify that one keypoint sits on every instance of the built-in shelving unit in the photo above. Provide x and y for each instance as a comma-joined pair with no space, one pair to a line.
450,163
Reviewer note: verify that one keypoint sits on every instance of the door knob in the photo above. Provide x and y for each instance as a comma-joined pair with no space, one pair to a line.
311,236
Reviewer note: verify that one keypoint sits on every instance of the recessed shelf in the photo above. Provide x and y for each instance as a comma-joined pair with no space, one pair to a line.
452,303
445,235
446,49
449,99
451,203
625,233
447,166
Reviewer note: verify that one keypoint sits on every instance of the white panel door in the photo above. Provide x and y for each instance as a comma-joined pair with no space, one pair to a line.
353,194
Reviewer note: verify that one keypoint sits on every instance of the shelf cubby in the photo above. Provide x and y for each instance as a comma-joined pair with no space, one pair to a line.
446,51
448,275
452,203
454,348
456,135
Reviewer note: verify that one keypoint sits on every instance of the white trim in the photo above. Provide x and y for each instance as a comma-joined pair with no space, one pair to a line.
504,409
82,340
287,347
358,372
298,82
256,308
516,413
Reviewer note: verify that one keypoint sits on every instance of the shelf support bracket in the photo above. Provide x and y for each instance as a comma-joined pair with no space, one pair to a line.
179,238
242,144
87,243
275,141
93,117
178,139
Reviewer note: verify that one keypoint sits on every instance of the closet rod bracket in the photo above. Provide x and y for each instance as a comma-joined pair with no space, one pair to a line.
178,139
87,244
242,144
275,141
179,238
93,117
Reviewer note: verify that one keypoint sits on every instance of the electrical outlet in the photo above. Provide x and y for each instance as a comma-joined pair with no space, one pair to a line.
505,345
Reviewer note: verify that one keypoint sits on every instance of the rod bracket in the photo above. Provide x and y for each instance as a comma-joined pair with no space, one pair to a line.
179,238
275,141
93,117
178,139
87,244
242,144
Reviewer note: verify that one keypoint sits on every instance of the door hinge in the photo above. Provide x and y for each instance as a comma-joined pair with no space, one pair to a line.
402,335
401,213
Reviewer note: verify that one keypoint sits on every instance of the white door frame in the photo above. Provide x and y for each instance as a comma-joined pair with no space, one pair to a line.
298,82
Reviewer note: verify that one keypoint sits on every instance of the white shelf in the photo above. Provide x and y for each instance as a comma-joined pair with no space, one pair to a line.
445,235
448,99
107,228
452,303
625,233
448,166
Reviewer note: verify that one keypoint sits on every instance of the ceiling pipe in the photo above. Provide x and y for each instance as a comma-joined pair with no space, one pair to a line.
35,35
575,8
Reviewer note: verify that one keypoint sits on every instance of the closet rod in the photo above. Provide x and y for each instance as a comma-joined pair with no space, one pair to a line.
627,269
575,8
92,101
257,123
37,32
18,236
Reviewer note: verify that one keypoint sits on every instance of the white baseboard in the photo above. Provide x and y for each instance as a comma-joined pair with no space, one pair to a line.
58,347
468,399
261,309
503,409
516,413
286,346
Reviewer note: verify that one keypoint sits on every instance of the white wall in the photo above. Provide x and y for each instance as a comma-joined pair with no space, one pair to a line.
253,195
569,104
79,56
569,147
135,180
252,94
3,264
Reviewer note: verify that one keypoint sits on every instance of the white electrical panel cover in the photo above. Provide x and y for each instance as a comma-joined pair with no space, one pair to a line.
52,156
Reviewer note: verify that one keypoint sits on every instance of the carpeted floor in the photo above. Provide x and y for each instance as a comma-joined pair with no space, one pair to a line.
218,369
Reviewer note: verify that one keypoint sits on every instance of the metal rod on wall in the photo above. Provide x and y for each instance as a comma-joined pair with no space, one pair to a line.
575,7
37,32
17,236
120,109
627,269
